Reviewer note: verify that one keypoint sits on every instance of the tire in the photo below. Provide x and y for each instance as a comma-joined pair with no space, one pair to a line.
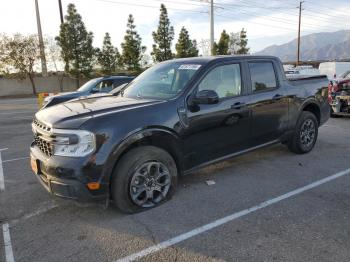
305,134
142,173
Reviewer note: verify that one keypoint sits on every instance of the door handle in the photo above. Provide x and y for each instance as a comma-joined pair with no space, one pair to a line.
238,105
277,97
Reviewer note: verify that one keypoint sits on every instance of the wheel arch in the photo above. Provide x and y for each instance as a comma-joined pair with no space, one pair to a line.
155,136
312,107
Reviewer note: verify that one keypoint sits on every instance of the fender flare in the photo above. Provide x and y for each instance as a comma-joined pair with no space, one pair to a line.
139,135
311,102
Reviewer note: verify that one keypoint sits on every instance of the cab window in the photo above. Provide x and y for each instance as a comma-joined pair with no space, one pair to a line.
225,80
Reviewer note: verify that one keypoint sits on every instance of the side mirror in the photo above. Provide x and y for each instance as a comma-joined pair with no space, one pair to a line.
206,97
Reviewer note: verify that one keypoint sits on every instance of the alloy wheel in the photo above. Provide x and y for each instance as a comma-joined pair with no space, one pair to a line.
150,184
307,133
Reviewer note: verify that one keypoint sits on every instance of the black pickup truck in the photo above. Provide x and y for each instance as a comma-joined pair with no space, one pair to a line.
176,117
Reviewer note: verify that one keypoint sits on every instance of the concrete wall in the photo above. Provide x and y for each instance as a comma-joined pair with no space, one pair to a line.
50,84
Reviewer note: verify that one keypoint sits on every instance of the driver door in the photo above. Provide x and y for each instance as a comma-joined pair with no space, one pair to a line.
217,130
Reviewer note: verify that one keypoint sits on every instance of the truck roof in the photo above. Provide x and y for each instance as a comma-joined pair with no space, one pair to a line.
206,59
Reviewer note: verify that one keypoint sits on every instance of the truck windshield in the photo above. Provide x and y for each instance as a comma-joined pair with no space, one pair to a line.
162,81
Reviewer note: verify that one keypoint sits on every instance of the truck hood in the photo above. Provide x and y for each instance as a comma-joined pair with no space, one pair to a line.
72,114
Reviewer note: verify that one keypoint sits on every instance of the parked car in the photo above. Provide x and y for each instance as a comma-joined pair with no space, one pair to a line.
176,117
94,86
339,96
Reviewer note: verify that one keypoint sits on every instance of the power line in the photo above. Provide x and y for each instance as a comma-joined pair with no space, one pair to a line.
199,4
258,23
254,5
273,19
277,19
283,20
149,6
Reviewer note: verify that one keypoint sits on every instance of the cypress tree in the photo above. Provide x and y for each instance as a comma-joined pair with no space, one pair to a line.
163,37
243,42
222,47
186,47
108,56
76,45
132,49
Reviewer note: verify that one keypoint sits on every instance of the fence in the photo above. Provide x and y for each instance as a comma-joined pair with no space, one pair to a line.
49,84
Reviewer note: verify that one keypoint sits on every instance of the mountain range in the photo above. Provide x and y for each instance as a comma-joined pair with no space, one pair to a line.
318,46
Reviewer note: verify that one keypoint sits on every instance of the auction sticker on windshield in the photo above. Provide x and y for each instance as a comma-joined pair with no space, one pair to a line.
189,67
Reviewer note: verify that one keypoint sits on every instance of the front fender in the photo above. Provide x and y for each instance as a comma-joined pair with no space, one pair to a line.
158,136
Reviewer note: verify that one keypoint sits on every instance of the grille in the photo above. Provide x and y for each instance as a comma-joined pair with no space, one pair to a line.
43,145
40,133
41,125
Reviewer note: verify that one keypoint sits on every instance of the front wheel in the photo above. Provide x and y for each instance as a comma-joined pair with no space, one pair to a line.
305,134
144,178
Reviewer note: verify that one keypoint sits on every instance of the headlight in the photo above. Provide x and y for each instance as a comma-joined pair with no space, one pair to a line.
73,143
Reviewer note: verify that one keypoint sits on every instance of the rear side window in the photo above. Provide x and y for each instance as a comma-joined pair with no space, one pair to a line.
262,75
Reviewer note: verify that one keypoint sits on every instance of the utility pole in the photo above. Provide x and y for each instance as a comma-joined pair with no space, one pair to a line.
41,41
298,51
211,26
61,12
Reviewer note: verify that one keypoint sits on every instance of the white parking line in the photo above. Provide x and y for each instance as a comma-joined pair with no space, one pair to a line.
15,159
47,206
7,243
229,218
2,180
17,112
5,227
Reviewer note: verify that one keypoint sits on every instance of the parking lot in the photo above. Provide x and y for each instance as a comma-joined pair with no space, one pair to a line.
269,205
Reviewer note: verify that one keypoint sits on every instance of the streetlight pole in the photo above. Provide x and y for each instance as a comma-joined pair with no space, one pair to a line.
41,41
298,51
61,12
211,27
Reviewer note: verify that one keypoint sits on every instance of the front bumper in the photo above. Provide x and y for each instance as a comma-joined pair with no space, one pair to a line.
63,177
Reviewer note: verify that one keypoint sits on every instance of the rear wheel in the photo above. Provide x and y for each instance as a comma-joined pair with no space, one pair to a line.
305,134
144,178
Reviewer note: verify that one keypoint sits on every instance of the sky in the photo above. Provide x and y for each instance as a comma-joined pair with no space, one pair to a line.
267,22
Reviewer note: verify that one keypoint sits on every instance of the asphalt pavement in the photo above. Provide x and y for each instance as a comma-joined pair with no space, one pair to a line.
261,207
